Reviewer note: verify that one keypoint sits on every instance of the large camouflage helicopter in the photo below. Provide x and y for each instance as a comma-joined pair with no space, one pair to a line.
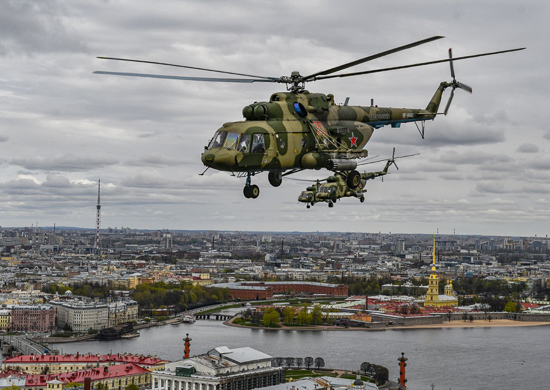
298,130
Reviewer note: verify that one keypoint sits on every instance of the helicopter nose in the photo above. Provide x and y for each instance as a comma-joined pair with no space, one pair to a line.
221,159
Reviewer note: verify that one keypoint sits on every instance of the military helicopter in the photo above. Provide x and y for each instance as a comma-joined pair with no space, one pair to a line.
335,187
298,130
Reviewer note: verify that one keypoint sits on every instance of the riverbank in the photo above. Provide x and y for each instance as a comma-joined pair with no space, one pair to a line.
444,325
63,340
474,324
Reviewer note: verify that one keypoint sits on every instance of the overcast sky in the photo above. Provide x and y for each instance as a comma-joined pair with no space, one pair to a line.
483,169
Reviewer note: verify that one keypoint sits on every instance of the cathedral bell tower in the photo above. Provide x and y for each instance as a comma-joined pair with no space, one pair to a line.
432,296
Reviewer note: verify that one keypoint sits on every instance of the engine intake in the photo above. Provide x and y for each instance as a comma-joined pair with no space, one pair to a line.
339,164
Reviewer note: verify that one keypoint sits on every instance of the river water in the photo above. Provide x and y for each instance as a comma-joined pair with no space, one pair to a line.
459,358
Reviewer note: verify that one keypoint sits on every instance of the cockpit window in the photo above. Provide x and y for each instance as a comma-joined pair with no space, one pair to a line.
218,139
306,195
244,143
328,190
258,143
231,140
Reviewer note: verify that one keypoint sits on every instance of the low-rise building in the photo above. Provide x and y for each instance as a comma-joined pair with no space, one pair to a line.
117,377
32,318
5,320
81,316
55,364
221,368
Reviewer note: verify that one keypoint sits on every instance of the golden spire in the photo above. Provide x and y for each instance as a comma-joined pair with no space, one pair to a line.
433,263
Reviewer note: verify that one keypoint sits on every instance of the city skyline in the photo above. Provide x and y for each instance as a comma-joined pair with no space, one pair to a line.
482,169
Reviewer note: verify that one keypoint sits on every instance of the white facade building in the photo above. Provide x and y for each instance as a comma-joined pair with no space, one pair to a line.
220,369
81,316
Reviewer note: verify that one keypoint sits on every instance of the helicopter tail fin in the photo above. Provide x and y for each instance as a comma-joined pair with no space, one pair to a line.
433,105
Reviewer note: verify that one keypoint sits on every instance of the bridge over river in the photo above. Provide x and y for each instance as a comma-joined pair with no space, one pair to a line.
24,345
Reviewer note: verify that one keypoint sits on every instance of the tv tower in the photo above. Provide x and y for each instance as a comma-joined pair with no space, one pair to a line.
98,217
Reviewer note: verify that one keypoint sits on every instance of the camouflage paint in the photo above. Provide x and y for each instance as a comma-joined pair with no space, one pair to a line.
289,121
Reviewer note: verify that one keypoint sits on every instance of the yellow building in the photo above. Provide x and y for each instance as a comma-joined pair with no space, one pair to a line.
433,299
56,364
5,320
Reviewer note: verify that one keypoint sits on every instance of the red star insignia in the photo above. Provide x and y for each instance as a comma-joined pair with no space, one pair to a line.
353,140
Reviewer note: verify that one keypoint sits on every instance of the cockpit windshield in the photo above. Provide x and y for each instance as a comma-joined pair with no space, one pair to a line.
218,139
306,195
241,142
231,140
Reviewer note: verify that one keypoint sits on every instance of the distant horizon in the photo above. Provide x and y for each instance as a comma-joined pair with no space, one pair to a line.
93,230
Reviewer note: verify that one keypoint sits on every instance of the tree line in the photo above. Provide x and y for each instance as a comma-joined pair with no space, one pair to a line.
289,315
181,296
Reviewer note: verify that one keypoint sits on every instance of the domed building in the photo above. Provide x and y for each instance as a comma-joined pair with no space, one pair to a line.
433,298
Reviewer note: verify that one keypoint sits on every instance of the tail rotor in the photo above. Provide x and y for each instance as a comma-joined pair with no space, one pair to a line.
392,160
454,84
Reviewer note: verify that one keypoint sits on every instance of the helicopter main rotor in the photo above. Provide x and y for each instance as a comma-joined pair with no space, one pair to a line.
295,82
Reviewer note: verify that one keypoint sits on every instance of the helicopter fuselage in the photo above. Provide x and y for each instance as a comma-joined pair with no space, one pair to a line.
304,131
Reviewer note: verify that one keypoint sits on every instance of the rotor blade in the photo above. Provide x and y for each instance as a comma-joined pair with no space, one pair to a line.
416,65
408,155
449,102
387,159
465,87
372,57
451,62
187,67
158,76
307,180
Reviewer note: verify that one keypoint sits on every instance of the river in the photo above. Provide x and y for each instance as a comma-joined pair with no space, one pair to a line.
460,358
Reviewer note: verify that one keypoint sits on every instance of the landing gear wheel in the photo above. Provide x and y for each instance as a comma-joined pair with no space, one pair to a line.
354,179
308,206
251,191
275,178
362,199
254,191
331,204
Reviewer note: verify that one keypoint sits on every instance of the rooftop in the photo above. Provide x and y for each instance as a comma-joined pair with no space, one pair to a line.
94,374
86,358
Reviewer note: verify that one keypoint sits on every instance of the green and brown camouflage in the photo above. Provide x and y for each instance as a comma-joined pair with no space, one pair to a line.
336,187
296,131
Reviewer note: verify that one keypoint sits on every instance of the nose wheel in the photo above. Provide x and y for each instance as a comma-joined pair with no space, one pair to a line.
250,190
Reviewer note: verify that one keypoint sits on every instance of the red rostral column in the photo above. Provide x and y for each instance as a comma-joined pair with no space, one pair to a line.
402,365
187,345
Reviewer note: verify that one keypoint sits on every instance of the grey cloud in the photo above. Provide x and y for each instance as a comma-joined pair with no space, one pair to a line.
452,136
469,136
147,180
31,27
493,188
56,181
475,158
66,163
155,161
452,176
3,138
542,163
527,148
497,118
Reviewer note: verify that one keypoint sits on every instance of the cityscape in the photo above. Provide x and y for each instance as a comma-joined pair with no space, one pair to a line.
58,284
